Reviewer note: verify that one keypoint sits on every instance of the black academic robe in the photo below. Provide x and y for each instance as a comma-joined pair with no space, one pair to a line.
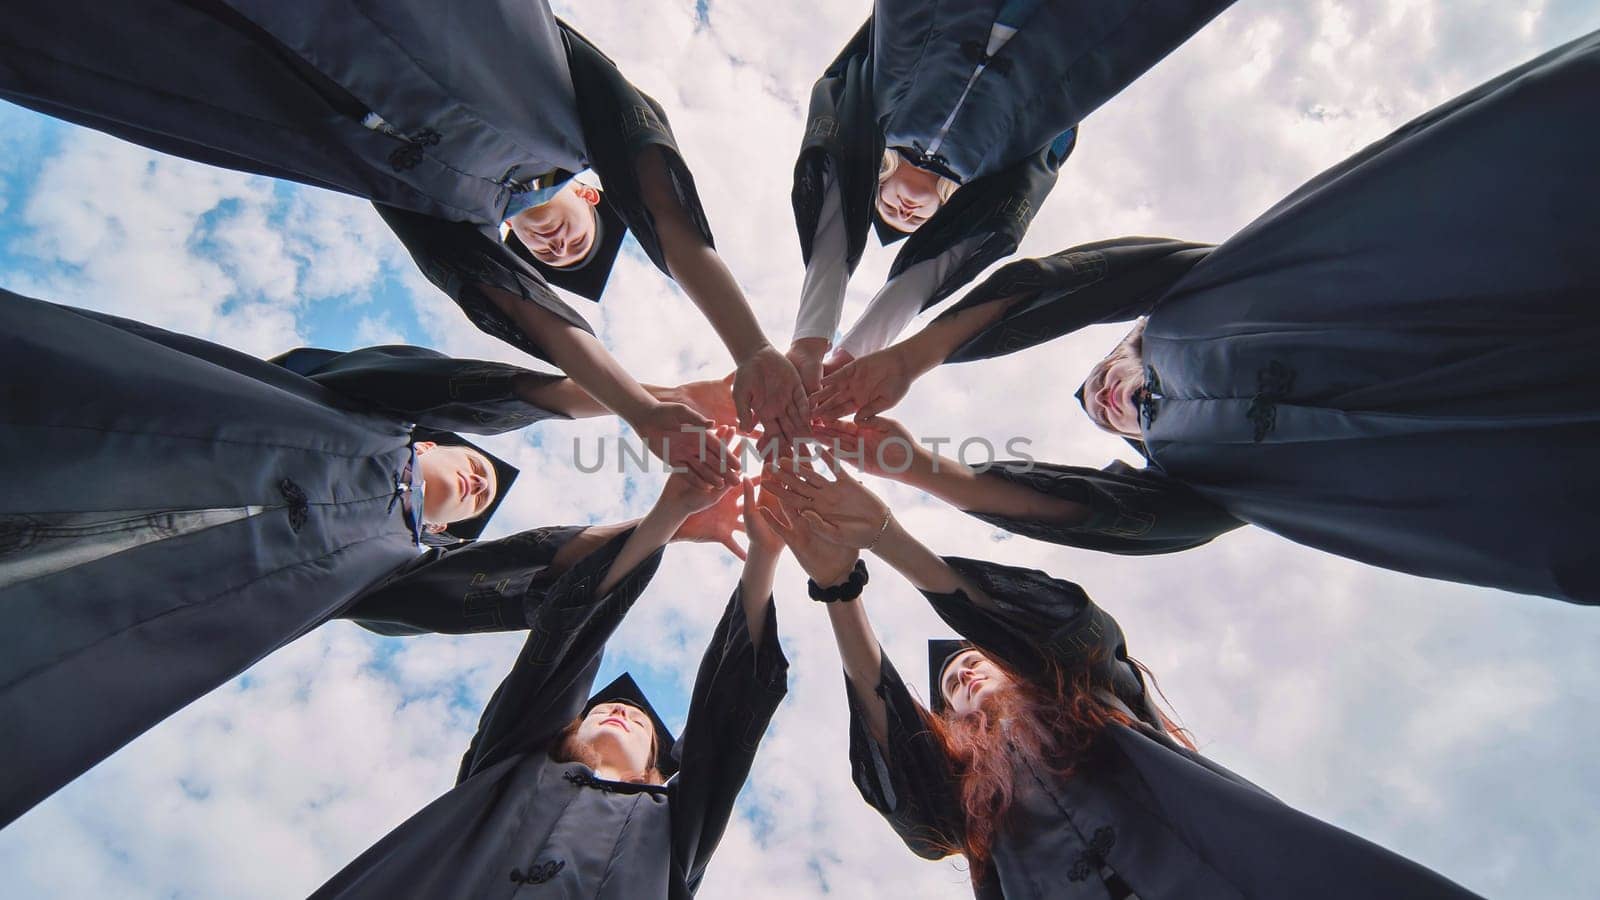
186,509
1141,814
918,78
1394,363
439,116
518,821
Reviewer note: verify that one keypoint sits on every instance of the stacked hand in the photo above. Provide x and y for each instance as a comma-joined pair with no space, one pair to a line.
718,522
877,446
826,562
767,390
712,399
686,496
683,438
841,511
866,386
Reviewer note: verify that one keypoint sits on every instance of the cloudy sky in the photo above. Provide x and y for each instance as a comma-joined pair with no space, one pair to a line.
1455,725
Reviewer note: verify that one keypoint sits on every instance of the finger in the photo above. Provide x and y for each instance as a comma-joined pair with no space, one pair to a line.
874,406
748,489
793,485
777,523
735,548
838,406
703,475
821,526
741,406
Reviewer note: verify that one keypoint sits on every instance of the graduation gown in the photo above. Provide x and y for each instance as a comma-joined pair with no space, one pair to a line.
519,821
1393,363
1141,815
186,509
922,79
438,115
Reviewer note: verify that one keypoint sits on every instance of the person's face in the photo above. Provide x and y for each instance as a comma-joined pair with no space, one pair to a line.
908,197
561,231
621,735
968,679
1108,393
458,482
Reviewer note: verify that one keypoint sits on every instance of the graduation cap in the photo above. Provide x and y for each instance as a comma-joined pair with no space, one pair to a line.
625,690
587,278
940,652
504,474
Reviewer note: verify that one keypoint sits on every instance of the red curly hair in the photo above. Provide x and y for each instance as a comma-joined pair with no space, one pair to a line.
1049,723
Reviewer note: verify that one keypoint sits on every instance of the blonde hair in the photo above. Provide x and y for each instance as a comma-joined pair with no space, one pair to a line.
1129,352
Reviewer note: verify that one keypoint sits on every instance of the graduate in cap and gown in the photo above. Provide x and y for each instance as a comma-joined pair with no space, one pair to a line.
187,509
455,121
945,127
569,791
1043,758
1394,363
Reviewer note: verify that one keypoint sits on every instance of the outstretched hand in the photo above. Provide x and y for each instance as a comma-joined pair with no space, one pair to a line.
767,390
866,386
877,446
842,510
717,523
712,399
807,354
826,562
683,438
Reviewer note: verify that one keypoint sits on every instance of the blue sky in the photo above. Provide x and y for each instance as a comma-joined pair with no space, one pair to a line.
1453,724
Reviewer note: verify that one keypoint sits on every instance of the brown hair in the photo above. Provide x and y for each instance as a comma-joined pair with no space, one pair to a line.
1048,724
567,748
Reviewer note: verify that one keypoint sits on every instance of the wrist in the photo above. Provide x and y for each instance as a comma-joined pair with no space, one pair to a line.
810,346
745,350
918,354
843,589
894,543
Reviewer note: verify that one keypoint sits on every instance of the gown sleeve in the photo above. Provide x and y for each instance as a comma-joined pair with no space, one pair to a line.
1106,281
736,692
460,259
1032,624
552,676
425,386
908,780
483,586
620,123
901,298
1134,512
827,272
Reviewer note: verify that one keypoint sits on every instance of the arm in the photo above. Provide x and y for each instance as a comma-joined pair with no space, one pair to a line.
900,299
743,677
485,586
882,446
568,632
822,293
766,387
877,381
899,769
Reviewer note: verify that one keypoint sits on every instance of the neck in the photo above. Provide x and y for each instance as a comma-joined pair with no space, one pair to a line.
611,773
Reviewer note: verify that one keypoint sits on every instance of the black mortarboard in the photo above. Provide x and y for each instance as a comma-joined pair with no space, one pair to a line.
625,690
940,652
504,474
587,278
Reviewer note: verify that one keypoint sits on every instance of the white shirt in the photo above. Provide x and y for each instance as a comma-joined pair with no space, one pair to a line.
894,306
